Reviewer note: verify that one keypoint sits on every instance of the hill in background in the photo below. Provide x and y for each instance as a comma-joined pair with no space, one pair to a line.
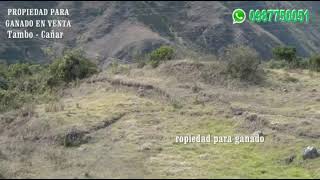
124,30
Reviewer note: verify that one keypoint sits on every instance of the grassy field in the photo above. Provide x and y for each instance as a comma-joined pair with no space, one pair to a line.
129,131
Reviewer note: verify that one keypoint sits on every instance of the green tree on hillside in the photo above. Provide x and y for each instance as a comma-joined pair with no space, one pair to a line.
71,66
285,53
163,53
243,63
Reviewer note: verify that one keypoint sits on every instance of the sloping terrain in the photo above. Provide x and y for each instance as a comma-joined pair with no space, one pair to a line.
124,30
122,123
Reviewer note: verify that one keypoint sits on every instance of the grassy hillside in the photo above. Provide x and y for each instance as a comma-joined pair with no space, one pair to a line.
122,122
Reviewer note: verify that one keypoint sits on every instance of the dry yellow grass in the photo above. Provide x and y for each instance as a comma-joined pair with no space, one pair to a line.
133,136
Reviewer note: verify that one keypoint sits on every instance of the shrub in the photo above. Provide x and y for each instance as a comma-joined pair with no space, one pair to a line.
52,82
298,63
26,83
21,83
243,63
154,63
314,62
70,67
163,53
10,99
18,70
34,81
285,53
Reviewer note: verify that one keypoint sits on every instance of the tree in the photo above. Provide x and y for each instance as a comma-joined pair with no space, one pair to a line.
72,66
285,53
243,63
163,53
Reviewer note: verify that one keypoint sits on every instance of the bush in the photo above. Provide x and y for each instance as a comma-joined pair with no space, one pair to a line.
24,83
314,62
19,70
163,53
33,79
154,63
297,63
243,63
70,67
285,53
10,99
21,83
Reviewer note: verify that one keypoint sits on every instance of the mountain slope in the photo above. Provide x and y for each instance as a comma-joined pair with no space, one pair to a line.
126,29
125,126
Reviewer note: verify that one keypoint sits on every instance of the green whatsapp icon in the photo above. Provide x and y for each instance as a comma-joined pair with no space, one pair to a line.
238,16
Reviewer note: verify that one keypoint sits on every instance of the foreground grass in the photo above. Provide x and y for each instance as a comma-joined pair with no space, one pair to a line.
141,144
242,161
